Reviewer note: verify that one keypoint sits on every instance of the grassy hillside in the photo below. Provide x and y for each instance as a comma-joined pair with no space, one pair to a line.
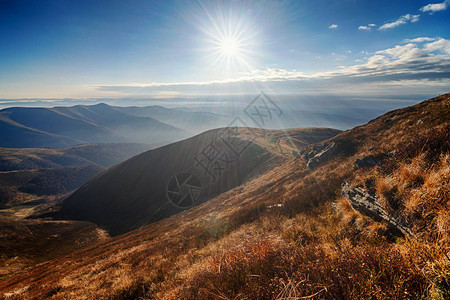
134,193
288,233
29,242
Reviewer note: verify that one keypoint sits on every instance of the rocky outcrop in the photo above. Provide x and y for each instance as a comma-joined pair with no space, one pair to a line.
322,156
367,204
364,162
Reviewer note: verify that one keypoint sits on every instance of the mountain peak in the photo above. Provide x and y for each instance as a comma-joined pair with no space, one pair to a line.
100,105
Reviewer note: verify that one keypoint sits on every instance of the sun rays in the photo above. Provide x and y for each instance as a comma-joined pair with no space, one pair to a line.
230,41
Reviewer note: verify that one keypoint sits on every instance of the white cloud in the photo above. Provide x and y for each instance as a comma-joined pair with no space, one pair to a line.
368,27
333,26
415,18
439,45
433,7
422,63
400,21
272,73
406,61
419,40
404,52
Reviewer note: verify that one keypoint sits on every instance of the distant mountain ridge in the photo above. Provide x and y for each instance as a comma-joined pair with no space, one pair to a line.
193,121
59,127
68,126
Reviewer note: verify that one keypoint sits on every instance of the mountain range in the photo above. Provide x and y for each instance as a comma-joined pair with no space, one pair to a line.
60,127
68,126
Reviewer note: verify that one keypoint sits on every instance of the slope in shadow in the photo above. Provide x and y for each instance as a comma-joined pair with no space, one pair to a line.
149,186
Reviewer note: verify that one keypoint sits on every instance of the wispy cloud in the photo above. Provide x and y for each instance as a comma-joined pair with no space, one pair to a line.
424,61
333,26
419,40
368,27
410,18
400,21
433,7
402,62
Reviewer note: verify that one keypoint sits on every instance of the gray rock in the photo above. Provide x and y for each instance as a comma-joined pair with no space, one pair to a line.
368,205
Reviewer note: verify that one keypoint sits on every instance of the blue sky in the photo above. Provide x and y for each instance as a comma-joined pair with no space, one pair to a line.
162,49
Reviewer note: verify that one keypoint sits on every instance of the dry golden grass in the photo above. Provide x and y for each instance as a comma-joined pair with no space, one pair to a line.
415,187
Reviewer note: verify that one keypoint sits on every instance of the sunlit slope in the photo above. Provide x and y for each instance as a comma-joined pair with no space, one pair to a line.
228,245
137,191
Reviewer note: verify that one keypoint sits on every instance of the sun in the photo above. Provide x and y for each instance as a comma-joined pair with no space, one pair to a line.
229,50
229,47
230,42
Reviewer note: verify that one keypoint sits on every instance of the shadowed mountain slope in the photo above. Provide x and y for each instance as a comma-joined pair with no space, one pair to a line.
13,134
135,192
